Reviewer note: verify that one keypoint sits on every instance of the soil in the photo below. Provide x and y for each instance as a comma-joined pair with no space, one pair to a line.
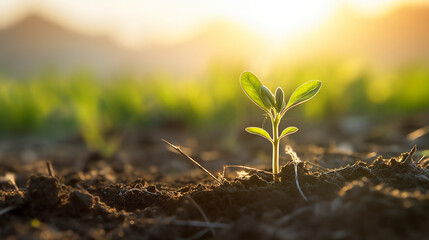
94,197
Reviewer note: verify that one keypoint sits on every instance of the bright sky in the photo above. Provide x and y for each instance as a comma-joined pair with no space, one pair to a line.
137,21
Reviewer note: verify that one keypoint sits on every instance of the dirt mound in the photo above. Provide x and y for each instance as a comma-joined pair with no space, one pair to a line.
388,198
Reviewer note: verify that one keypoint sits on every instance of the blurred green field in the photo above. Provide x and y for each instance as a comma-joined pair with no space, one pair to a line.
52,104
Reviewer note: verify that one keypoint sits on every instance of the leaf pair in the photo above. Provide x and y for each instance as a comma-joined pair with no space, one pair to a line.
261,132
264,99
270,100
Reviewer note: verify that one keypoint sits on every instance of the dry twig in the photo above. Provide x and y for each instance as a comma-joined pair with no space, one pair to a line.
50,169
7,209
241,166
189,223
192,160
202,214
140,190
199,234
10,177
410,155
315,165
421,159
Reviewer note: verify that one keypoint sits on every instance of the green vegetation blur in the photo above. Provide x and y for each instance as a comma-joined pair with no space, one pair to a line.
53,104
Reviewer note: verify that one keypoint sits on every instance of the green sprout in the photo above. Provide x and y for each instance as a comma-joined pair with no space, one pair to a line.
275,107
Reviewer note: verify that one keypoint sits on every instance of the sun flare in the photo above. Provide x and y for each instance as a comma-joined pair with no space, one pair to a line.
138,22
282,19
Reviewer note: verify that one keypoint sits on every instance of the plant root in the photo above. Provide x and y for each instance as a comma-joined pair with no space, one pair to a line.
295,161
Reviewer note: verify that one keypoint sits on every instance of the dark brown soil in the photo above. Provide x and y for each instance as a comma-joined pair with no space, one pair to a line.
383,199
145,191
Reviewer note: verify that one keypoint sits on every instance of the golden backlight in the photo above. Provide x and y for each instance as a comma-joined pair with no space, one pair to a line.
136,22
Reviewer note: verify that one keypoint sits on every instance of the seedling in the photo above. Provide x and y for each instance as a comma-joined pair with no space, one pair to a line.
275,107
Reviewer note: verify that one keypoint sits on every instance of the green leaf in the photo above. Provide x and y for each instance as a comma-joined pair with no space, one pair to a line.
267,97
288,131
304,93
280,102
250,85
259,131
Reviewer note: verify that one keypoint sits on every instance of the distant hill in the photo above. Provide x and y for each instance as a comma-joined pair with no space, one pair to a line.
35,43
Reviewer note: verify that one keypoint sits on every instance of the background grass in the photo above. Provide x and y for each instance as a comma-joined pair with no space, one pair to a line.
53,104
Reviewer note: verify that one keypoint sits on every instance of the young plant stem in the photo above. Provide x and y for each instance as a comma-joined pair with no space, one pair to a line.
276,141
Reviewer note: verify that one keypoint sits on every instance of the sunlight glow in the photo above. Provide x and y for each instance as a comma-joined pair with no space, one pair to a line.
136,22
281,19
372,7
